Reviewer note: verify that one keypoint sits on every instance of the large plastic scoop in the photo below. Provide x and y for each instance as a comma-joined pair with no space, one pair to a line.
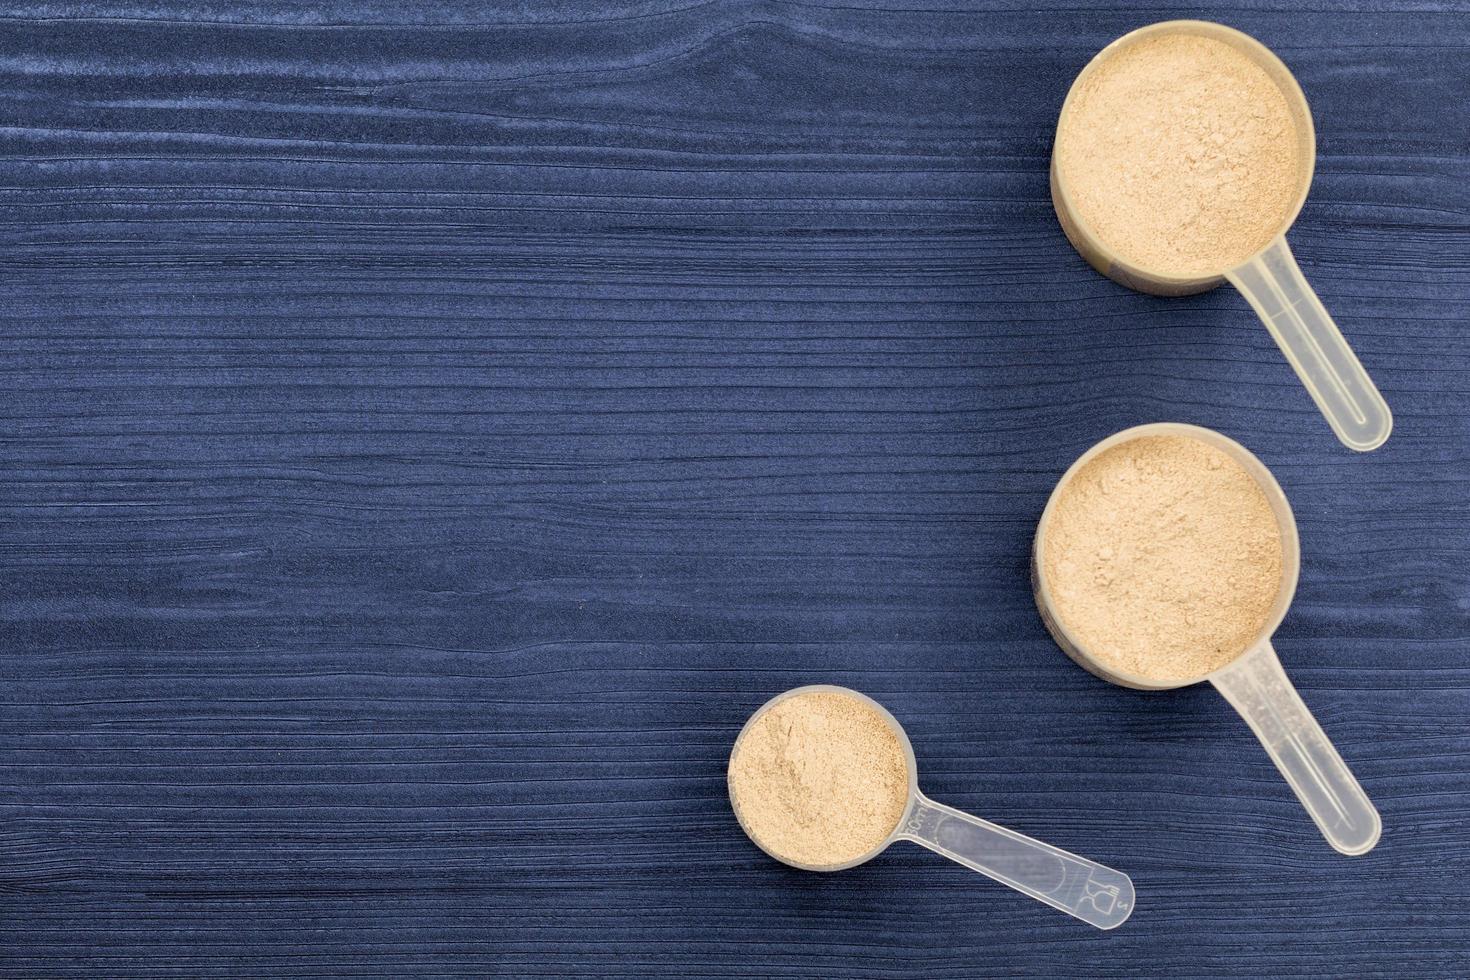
1093,893
1254,681
1270,280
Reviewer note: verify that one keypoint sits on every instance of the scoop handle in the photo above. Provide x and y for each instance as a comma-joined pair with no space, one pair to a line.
1095,894
1259,689
1273,284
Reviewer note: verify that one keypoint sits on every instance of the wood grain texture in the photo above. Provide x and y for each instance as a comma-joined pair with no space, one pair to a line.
428,430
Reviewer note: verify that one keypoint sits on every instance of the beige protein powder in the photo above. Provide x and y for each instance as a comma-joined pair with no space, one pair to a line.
820,778
1180,154
1163,558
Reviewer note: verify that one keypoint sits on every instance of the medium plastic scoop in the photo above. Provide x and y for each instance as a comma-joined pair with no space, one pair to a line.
1093,893
1270,280
1254,681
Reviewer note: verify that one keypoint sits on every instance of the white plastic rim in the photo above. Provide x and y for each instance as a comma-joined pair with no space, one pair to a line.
903,740
1275,496
1160,281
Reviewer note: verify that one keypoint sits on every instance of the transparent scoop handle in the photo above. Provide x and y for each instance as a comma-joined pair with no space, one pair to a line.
1077,886
1259,689
1322,359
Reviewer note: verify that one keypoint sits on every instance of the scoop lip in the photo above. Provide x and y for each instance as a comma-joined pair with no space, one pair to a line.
903,740
1280,507
1165,282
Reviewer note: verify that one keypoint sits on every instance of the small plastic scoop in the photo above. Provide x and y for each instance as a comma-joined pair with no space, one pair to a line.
1270,280
1095,894
1253,682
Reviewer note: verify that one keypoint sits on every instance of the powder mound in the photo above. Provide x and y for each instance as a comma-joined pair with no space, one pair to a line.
819,779
1163,558
1180,154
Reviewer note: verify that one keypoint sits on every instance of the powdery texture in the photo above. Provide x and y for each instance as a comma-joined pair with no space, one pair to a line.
819,779
1163,558
1180,155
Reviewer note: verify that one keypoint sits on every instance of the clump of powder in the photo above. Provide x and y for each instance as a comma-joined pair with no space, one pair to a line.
1180,154
1163,558
820,778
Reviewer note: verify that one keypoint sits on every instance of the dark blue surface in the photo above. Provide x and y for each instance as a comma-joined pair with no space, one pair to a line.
429,430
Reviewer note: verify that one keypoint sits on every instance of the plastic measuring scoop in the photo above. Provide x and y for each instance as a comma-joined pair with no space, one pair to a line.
1253,682
1270,280
1095,894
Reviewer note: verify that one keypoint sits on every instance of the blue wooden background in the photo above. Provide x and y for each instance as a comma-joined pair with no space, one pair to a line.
429,429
